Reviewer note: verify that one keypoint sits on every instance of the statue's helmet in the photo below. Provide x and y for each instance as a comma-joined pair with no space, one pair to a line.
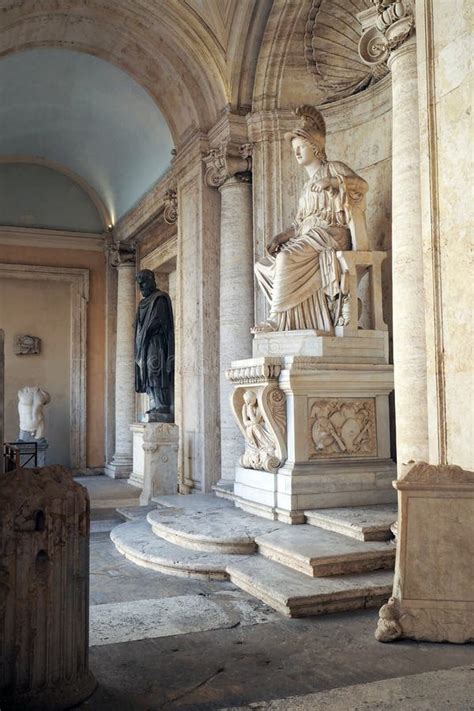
312,129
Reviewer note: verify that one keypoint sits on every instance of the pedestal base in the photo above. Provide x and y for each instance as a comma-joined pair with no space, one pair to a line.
316,427
155,459
120,467
42,445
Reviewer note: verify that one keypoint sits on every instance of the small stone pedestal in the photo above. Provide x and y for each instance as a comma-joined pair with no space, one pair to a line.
42,447
44,590
155,459
433,594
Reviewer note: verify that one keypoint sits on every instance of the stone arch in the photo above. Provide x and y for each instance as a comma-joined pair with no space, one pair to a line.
93,195
169,55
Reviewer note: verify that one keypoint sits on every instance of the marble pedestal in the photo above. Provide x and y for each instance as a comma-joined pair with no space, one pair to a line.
155,459
317,433
433,594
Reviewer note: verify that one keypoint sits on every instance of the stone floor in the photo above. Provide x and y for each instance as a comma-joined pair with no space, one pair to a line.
165,642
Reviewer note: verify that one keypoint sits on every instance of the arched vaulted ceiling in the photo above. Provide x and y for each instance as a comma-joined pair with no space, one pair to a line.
86,115
194,57
186,60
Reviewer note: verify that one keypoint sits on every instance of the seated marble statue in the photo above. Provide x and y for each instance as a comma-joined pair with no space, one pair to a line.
302,277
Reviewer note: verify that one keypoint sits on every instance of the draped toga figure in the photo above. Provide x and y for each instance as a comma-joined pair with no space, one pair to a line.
154,348
302,278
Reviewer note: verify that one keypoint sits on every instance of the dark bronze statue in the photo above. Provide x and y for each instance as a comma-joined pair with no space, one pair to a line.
154,349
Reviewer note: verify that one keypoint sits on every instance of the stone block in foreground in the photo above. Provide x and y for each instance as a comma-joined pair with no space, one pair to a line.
44,590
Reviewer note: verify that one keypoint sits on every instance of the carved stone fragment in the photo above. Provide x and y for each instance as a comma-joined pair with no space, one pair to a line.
27,345
44,589
342,428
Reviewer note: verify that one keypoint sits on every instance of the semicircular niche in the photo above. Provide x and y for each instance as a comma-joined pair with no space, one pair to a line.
331,45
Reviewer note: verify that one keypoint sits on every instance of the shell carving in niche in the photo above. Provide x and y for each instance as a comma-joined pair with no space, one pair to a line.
331,44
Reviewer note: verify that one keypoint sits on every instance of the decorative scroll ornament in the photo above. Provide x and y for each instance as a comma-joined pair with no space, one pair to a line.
263,421
170,213
393,24
228,161
343,428
120,254
260,413
331,41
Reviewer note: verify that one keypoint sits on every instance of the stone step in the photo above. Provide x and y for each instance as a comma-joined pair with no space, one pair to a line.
364,523
193,502
135,513
228,530
296,595
135,540
317,552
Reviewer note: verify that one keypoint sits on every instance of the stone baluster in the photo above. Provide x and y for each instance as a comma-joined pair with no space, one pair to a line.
228,169
124,260
389,37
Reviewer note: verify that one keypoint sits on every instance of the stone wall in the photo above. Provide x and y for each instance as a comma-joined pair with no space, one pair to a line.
446,127
94,262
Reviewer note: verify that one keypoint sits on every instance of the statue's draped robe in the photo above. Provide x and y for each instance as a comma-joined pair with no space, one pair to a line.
154,349
298,281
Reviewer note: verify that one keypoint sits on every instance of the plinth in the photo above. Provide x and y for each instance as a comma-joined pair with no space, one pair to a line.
155,459
313,410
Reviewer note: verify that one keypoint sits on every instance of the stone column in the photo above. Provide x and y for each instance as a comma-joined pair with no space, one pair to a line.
228,168
121,465
390,38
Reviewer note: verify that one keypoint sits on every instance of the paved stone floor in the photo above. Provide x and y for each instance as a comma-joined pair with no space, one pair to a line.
160,642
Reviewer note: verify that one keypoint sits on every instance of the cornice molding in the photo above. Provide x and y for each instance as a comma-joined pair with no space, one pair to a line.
50,239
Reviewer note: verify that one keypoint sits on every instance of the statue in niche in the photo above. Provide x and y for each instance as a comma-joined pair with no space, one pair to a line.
154,349
31,402
302,278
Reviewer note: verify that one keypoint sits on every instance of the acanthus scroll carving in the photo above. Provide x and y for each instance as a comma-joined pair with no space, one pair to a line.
392,26
261,416
342,428
170,213
228,161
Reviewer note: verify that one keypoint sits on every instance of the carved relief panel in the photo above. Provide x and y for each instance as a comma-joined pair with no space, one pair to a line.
259,408
342,428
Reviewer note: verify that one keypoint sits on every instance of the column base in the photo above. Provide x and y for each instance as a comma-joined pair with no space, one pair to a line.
120,467
224,489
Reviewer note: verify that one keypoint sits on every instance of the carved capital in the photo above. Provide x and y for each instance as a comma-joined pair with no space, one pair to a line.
120,254
170,214
387,27
228,161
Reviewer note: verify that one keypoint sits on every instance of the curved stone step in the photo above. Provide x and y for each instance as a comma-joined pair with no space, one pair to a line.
296,595
317,552
229,531
138,544
365,523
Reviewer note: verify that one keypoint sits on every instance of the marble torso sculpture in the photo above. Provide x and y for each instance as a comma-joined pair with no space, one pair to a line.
154,348
31,401
302,278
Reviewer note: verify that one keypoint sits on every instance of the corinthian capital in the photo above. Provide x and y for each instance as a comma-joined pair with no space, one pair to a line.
385,28
228,161
120,254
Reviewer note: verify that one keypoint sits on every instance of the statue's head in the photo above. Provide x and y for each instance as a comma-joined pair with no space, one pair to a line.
312,132
146,282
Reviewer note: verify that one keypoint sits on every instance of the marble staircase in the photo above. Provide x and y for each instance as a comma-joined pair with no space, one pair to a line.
341,559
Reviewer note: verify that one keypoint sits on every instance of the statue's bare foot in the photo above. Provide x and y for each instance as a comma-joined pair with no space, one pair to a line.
266,327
